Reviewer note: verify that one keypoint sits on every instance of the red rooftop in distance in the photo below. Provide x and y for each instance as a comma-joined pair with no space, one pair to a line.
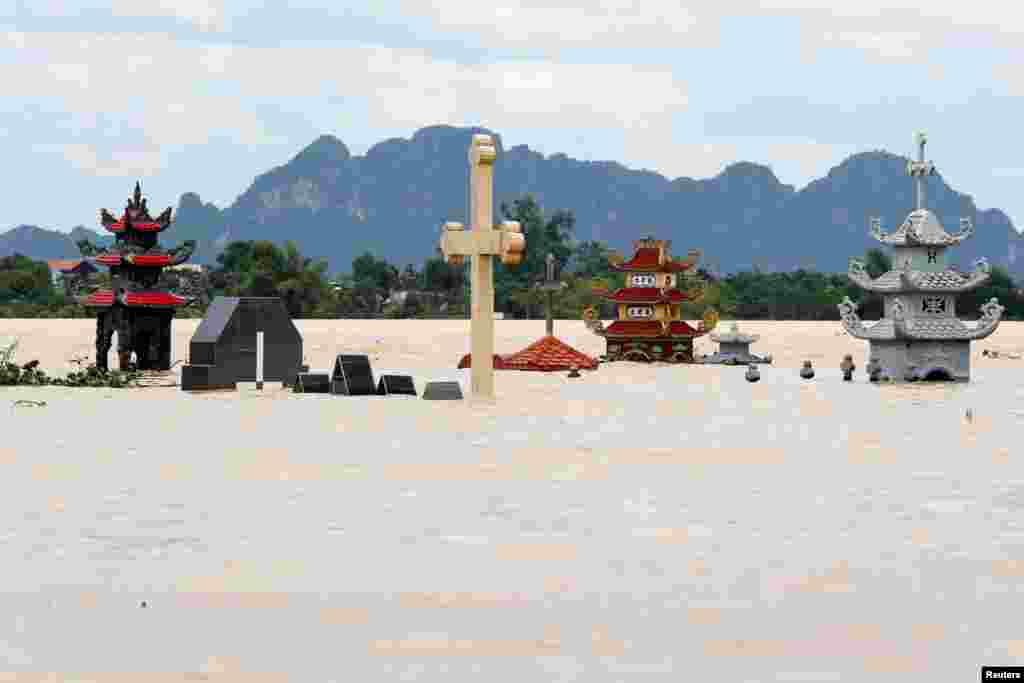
548,354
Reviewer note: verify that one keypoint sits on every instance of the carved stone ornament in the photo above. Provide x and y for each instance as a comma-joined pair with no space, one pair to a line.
857,267
897,310
848,311
992,310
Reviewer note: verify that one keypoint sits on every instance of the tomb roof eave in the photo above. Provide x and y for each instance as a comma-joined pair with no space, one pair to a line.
922,228
731,338
645,295
105,298
651,329
900,281
674,266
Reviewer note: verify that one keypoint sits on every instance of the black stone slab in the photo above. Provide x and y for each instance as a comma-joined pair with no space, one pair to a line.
352,376
313,383
442,391
205,378
398,385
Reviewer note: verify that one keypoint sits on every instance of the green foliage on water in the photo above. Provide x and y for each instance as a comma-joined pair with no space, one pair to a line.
11,374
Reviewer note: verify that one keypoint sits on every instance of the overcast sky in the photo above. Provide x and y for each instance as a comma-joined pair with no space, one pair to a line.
202,95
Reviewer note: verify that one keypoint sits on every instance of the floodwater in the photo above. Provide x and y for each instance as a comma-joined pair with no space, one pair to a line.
657,530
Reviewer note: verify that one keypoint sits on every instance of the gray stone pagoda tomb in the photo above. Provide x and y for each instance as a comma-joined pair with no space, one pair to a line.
734,347
920,336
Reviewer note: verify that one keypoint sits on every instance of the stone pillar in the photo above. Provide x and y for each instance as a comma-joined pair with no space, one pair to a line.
124,337
104,332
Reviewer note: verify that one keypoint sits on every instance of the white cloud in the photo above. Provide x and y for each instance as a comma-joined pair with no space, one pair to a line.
204,14
888,45
879,27
70,74
140,161
14,39
412,89
1010,76
545,26
797,162
132,96
794,161
125,80
901,30
190,92
908,15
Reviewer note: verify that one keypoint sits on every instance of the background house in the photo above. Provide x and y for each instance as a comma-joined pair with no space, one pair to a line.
64,272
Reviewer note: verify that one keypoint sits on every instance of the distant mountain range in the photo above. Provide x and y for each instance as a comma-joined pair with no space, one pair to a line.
393,200
42,245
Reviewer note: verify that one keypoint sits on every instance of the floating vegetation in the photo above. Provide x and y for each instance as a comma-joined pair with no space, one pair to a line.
29,374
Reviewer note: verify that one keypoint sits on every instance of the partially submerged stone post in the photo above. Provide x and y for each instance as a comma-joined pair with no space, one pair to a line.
482,244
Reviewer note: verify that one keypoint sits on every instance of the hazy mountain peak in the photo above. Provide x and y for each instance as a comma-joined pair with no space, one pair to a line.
393,200
326,149
751,173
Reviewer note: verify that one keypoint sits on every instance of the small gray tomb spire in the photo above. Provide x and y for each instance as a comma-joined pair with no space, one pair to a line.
920,168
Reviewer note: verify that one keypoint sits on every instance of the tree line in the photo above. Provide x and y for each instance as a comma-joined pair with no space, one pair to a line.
375,288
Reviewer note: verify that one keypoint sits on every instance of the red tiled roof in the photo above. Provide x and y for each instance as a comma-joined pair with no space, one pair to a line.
136,259
150,259
646,295
649,328
153,299
548,354
105,297
63,263
467,362
646,260
645,257
544,355
142,226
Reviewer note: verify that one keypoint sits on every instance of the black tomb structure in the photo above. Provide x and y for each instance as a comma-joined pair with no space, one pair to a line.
396,385
443,391
223,349
352,376
313,383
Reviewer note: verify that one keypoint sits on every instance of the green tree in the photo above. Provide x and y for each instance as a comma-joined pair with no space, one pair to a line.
1000,286
877,262
374,273
439,276
590,259
553,235
261,268
26,280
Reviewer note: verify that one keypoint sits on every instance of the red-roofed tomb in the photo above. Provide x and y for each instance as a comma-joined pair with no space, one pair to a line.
135,307
649,325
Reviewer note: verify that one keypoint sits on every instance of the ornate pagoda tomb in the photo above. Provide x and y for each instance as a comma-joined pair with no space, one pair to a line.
734,347
649,325
135,307
920,336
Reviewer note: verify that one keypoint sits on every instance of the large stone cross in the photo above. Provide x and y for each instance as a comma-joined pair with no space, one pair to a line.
481,244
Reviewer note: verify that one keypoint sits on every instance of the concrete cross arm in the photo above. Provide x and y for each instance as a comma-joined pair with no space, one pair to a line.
513,243
507,242
482,151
